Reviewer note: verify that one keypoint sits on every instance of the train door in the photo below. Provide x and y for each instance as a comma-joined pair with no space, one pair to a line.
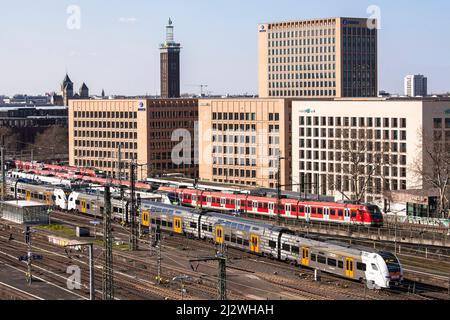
146,218
223,202
347,215
305,257
194,200
238,204
271,208
307,213
83,206
254,244
208,201
28,196
288,210
177,225
326,214
349,267
219,234
255,206
48,198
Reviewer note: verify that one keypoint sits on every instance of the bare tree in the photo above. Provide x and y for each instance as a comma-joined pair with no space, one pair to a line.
363,160
53,139
432,167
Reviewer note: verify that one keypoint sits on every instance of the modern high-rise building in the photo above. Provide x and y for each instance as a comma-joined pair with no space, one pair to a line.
416,86
335,57
170,65
144,130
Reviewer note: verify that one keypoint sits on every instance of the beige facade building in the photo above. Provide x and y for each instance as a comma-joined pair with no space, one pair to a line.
349,147
142,129
240,141
335,57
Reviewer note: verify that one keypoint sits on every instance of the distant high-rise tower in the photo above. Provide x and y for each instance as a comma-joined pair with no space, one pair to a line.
67,90
416,85
170,65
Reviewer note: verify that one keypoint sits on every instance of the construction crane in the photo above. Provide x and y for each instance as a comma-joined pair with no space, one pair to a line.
201,86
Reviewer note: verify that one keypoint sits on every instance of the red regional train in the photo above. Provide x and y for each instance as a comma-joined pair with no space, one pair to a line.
367,215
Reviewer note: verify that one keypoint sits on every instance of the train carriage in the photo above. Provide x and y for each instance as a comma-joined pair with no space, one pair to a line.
48,195
368,215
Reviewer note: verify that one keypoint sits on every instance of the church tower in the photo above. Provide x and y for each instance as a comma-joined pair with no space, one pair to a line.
67,90
84,92
170,65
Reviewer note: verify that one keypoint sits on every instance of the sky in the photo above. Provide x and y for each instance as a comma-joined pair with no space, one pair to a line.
116,46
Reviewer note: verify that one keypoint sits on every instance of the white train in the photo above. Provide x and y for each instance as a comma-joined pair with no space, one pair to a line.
377,269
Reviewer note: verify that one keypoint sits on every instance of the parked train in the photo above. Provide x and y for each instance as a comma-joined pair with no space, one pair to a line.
368,215
47,194
378,269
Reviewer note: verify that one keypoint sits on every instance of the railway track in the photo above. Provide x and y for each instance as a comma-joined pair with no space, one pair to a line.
174,243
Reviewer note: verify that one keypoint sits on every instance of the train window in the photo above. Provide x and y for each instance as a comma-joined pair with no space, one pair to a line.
294,209
77,202
353,213
233,203
321,259
153,221
259,205
265,205
158,222
341,213
286,247
272,244
246,243
250,204
88,206
239,241
301,209
204,227
12,189
332,262
120,210
320,210
170,225
313,210
233,239
228,202
210,228
54,198
332,212
164,223
193,225
227,238
361,266
341,264
313,257
374,267
295,250
115,209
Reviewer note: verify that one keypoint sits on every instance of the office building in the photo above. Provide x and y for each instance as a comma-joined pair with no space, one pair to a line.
142,129
416,86
342,145
334,57
240,141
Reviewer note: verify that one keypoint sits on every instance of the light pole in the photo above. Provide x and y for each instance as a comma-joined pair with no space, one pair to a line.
182,279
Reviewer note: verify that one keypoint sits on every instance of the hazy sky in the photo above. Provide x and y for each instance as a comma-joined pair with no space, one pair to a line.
116,47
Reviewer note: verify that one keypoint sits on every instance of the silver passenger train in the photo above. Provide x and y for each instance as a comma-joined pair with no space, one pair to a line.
378,269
